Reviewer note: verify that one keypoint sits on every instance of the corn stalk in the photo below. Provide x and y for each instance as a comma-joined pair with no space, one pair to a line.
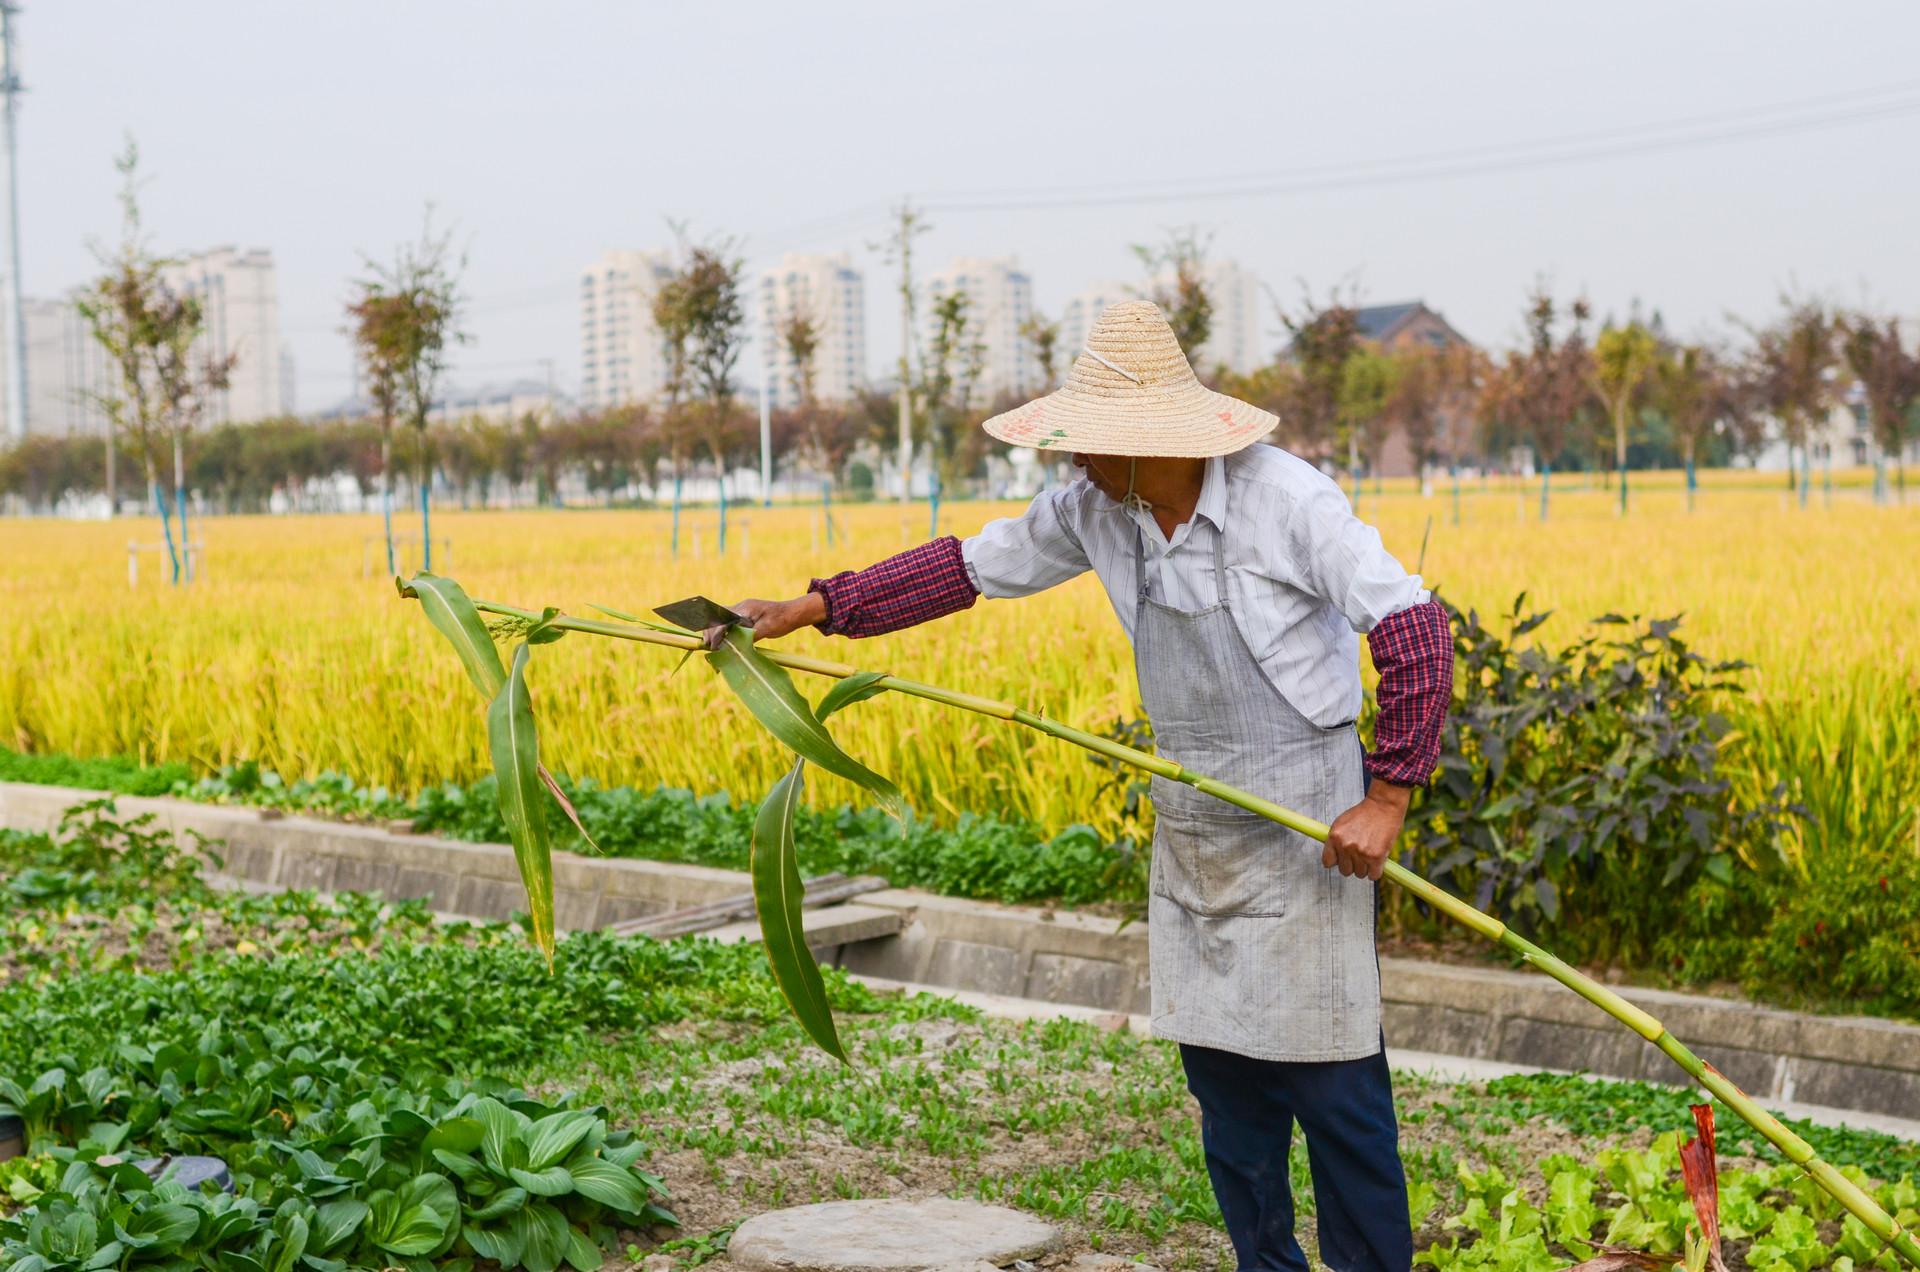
760,677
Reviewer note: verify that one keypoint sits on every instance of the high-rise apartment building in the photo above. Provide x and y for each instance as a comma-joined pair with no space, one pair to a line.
1235,340
999,301
1081,312
240,307
621,356
67,370
831,294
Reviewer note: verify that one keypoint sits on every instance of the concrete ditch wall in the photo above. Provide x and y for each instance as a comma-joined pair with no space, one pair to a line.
1845,1062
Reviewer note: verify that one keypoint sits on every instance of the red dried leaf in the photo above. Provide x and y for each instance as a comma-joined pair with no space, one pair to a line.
1700,1169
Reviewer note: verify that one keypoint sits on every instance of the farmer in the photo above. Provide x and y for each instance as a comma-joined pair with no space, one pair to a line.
1241,575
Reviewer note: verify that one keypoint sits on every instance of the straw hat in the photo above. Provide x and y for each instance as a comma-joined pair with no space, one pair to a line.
1132,392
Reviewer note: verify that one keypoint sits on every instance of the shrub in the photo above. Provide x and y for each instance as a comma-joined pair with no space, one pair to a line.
1581,788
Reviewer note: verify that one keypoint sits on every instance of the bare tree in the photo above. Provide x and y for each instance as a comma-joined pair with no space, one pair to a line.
1044,336
1549,390
162,385
1789,376
1177,282
1890,377
406,319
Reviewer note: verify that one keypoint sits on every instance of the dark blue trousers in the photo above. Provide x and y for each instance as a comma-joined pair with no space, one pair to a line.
1247,1111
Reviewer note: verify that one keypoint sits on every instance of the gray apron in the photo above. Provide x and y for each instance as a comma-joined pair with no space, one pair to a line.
1255,947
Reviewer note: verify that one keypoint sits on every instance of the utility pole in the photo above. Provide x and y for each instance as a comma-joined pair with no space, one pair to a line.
766,404
900,247
16,342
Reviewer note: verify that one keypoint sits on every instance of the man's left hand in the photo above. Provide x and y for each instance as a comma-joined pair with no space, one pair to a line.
1361,838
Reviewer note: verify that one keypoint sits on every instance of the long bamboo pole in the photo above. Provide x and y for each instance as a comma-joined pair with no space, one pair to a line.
1795,1149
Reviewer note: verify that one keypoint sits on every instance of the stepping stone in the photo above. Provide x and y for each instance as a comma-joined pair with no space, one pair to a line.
888,1236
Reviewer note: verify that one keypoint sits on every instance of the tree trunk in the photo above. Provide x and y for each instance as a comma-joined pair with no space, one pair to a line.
1353,467
386,496
420,476
676,510
1692,481
1806,472
180,503
166,519
112,456
1620,455
1546,480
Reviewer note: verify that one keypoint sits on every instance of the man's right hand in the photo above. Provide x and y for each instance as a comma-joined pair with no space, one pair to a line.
773,619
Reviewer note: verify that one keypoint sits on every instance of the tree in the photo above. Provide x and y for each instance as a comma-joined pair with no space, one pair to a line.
1365,386
1427,394
1177,282
150,333
405,321
1044,336
1623,359
1789,376
1890,377
716,326
1692,388
950,373
1324,339
1548,391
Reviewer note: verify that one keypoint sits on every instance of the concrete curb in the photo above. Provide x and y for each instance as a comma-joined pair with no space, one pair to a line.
1069,961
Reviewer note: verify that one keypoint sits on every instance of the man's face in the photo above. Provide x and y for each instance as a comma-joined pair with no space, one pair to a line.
1108,473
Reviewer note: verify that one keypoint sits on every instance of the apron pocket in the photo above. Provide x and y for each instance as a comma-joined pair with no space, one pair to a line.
1222,862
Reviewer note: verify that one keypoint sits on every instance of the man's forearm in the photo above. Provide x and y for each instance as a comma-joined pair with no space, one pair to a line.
1413,652
912,587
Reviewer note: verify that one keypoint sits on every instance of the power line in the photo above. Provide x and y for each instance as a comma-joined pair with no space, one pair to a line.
1304,181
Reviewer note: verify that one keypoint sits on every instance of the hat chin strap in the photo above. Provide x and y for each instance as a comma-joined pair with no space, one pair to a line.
1133,499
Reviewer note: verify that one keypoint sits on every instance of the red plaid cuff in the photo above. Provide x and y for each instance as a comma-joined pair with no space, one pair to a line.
1413,652
917,586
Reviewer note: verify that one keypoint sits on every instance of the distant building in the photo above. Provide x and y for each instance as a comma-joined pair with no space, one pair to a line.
832,293
1077,319
999,303
240,302
67,370
622,359
1410,322
1402,326
1234,341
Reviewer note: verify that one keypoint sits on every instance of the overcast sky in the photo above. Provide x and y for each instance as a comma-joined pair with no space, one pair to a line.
548,132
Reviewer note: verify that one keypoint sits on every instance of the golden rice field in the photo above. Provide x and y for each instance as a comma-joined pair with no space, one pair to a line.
286,653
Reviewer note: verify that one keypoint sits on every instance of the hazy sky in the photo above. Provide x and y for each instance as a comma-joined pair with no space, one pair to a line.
550,131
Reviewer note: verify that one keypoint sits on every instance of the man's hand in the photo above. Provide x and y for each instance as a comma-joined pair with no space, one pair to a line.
1361,838
773,619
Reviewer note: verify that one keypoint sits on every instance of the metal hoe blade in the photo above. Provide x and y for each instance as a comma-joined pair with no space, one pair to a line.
697,613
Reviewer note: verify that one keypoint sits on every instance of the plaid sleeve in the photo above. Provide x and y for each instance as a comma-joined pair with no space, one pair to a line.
1413,652
916,586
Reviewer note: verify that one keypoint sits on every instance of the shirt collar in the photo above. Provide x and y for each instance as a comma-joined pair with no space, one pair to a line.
1213,493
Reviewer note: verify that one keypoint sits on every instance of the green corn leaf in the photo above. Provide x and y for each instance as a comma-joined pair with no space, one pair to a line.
858,687
449,609
543,631
516,764
777,892
769,693
638,621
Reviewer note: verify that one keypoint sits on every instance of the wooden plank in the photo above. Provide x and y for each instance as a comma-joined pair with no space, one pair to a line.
825,928
827,889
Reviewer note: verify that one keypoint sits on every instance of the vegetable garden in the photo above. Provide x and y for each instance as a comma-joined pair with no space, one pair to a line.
533,1119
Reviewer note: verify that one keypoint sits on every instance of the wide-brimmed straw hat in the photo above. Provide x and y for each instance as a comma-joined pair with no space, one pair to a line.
1132,392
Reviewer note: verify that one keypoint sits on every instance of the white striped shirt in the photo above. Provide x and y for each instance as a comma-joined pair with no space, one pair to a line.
1304,574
